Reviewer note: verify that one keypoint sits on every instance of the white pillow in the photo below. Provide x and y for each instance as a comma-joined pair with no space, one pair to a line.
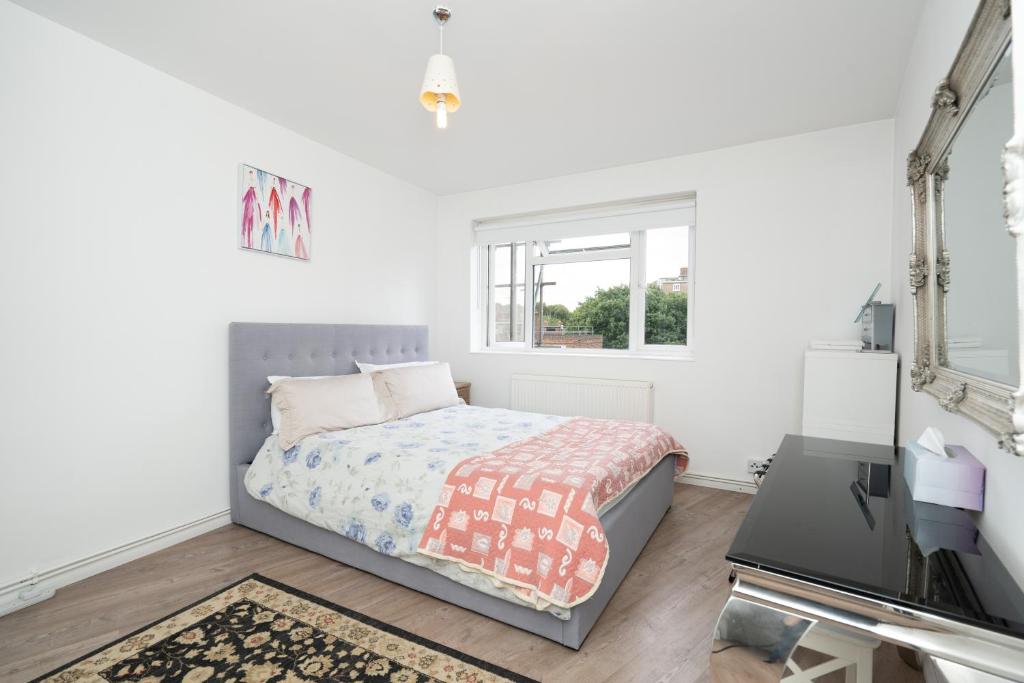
419,388
388,411
275,413
324,405
373,367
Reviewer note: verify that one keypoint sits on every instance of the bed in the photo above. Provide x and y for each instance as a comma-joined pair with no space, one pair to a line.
257,350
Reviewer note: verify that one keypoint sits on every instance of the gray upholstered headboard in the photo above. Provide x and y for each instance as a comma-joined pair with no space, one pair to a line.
256,350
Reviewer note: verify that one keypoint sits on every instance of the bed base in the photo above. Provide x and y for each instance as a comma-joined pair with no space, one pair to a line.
628,526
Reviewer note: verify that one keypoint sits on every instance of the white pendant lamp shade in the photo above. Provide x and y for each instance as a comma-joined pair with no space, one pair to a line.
440,91
439,83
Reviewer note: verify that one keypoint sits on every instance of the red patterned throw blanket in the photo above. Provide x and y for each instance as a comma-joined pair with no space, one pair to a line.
527,514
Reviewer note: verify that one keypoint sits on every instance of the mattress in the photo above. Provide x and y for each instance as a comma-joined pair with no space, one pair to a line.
378,485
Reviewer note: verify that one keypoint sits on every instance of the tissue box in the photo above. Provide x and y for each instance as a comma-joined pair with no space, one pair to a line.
958,481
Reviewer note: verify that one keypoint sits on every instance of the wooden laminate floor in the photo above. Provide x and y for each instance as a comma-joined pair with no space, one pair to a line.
657,627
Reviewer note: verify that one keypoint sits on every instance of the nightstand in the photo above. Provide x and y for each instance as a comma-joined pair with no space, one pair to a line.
463,390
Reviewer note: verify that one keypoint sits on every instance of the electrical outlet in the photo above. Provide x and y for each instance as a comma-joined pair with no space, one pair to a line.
754,465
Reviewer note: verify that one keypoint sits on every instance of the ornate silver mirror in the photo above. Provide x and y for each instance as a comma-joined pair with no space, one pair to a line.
963,270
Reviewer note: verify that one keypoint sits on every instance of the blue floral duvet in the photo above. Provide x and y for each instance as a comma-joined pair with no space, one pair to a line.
378,485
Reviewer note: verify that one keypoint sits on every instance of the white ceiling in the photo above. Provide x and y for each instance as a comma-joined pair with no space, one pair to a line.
548,88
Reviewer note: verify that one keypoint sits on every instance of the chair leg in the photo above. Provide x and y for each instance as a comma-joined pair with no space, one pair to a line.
865,664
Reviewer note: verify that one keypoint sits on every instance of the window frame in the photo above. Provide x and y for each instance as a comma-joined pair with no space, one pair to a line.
489,321
613,254
636,253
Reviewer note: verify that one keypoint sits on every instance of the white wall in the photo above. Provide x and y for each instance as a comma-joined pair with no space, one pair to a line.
120,272
943,26
792,234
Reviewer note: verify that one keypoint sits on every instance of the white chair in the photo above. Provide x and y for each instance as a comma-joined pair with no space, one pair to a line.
849,652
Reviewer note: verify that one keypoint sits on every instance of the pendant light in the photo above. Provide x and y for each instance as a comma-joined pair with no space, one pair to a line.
440,91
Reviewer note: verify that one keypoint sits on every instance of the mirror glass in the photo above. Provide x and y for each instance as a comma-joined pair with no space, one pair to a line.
981,304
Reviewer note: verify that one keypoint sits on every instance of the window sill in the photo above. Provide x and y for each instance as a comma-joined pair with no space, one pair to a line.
684,355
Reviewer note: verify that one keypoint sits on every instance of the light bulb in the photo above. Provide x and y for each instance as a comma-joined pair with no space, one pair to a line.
442,112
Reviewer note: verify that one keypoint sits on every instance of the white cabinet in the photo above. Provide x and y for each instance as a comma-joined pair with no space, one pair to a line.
850,395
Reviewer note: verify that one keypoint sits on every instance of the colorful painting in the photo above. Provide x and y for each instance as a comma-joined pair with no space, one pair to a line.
275,214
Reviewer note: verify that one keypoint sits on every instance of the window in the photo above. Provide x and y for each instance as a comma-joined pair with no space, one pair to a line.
612,280
508,291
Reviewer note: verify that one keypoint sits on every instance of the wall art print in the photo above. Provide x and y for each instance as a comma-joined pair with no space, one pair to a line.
274,214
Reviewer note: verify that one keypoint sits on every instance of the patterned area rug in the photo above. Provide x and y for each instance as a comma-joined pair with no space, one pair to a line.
259,630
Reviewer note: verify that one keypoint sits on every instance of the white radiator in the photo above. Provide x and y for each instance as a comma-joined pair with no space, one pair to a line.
617,399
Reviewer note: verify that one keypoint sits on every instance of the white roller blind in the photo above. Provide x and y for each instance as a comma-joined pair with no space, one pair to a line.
644,214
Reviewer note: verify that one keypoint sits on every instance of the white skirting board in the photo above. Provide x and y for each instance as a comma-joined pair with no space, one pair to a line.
713,481
42,585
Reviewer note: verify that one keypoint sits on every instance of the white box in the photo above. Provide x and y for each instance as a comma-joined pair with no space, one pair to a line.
957,481
851,396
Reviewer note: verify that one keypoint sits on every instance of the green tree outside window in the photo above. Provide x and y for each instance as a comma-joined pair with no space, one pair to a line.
607,312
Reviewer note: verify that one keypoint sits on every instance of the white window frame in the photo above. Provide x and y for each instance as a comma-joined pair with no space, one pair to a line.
488,301
636,253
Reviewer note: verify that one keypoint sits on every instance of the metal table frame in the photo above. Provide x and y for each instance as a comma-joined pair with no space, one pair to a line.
770,613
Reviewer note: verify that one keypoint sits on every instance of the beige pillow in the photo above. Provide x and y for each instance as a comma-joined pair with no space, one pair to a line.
385,404
311,406
420,388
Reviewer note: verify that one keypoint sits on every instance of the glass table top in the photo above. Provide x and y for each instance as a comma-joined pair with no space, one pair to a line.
839,514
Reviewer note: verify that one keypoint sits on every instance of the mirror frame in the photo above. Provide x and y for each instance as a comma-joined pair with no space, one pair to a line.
996,406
